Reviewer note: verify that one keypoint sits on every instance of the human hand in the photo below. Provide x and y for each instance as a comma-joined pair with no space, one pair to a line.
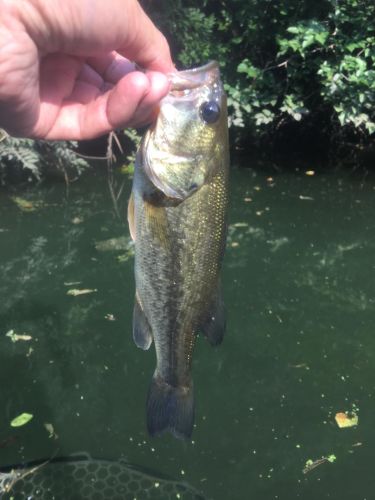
67,68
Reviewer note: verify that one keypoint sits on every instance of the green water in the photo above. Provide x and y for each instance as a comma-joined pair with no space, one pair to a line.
300,345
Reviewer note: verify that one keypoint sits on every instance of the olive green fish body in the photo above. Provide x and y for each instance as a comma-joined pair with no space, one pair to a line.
179,207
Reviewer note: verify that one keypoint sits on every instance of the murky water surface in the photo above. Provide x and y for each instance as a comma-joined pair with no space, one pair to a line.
299,283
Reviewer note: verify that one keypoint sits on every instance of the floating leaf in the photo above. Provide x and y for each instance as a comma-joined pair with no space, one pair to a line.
15,337
345,420
84,291
51,431
21,420
26,205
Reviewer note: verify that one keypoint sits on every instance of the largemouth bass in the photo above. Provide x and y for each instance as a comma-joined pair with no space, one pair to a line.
177,217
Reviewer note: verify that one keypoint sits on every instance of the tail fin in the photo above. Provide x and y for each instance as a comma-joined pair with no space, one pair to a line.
170,409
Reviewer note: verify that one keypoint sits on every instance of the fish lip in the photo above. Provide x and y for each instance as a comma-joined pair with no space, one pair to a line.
191,79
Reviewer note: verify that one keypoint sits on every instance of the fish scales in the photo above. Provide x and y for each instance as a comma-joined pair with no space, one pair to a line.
178,219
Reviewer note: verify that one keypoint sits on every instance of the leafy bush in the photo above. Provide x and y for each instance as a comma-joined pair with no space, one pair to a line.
32,159
282,61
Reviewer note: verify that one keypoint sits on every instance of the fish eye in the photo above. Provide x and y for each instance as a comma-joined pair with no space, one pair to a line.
210,111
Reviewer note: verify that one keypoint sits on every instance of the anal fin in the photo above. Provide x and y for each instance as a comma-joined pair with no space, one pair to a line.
142,333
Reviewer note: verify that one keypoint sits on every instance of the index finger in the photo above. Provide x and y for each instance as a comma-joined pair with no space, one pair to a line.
146,45
91,29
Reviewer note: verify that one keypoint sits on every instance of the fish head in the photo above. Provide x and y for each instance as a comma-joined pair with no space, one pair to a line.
189,140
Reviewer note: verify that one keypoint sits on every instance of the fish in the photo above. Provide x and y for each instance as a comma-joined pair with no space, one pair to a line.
85,478
178,220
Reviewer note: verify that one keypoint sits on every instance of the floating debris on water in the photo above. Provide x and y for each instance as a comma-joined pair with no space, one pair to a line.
15,337
312,464
84,291
240,224
51,431
346,419
300,365
21,420
77,220
26,205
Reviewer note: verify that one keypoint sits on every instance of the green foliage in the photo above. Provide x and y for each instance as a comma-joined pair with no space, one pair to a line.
341,55
281,61
34,158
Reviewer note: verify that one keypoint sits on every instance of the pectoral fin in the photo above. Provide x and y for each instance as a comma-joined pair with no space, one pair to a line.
131,220
142,333
213,327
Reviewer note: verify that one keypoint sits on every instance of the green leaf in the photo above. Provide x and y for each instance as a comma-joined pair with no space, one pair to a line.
309,40
246,67
293,29
342,118
321,37
21,420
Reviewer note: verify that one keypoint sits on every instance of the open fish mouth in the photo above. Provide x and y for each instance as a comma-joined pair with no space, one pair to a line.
192,78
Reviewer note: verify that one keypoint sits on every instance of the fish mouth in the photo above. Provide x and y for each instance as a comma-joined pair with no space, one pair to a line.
191,79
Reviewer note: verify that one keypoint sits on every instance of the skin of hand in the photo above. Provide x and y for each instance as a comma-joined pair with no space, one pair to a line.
67,67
